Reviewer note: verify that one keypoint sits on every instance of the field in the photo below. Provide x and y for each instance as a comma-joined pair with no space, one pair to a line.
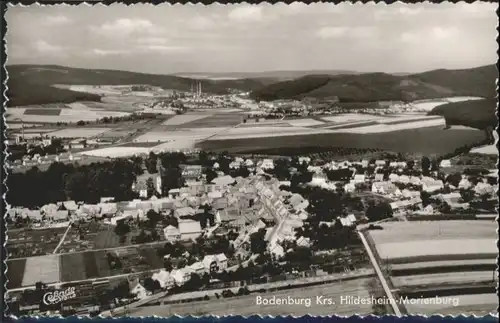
116,152
53,115
304,122
184,118
43,268
247,305
464,277
428,105
405,141
479,305
439,240
216,120
78,132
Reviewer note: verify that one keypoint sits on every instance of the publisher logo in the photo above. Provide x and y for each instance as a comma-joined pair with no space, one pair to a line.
55,297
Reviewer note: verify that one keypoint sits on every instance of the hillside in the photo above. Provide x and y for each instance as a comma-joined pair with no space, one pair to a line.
478,114
272,75
32,84
371,87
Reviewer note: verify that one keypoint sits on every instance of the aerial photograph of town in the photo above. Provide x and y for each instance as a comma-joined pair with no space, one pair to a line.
283,159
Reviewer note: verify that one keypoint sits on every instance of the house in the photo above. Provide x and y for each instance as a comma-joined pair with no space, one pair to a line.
191,172
306,160
181,276
431,185
414,180
298,202
249,163
483,189
276,250
350,187
164,278
410,194
138,290
171,233
190,229
445,163
267,164
198,268
464,183
394,177
404,179
223,181
215,263
380,163
303,242
385,188
379,177
174,192
184,211
359,178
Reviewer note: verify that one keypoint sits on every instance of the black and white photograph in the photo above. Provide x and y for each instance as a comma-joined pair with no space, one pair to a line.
286,159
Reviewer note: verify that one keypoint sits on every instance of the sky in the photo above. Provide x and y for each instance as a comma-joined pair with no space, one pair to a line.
179,38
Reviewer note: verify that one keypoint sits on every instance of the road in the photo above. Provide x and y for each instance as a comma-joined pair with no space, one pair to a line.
380,275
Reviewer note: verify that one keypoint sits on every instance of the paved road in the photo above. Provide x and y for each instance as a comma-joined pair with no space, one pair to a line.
373,260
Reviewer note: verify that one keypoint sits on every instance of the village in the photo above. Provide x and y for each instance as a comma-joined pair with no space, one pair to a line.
232,219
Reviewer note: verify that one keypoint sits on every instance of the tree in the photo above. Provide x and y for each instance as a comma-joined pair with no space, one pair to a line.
426,163
150,184
257,243
151,285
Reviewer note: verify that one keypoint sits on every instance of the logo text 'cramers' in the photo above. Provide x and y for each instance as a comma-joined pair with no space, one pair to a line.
55,297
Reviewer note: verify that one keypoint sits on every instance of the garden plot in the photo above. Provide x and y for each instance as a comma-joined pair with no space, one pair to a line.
41,269
184,118
78,132
478,304
452,278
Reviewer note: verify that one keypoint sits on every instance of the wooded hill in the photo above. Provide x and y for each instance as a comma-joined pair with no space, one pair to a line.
372,87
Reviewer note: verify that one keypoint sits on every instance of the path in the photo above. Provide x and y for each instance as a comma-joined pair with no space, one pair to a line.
63,237
387,290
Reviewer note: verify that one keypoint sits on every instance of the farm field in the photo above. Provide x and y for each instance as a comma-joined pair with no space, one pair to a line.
216,121
415,141
479,304
266,131
304,122
41,268
428,250
464,277
396,126
116,152
15,272
414,231
78,132
246,305
445,264
53,115
184,118
353,117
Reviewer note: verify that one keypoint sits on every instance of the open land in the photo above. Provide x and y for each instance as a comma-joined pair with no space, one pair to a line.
478,305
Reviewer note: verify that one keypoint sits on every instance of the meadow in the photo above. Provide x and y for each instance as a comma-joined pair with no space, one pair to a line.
478,304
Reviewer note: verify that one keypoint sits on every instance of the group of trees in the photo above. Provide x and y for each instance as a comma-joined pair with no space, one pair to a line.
62,182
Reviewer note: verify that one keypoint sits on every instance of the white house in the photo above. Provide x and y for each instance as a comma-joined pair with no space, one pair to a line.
190,229
350,187
379,177
138,290
164,278
394,177
171,233
431,185
385,188
198,268
464,183
181,276
404,179
267,164
445,163
277,250
359,178
483,188
215,263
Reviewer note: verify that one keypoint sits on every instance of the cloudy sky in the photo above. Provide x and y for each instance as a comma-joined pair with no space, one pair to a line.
245,38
